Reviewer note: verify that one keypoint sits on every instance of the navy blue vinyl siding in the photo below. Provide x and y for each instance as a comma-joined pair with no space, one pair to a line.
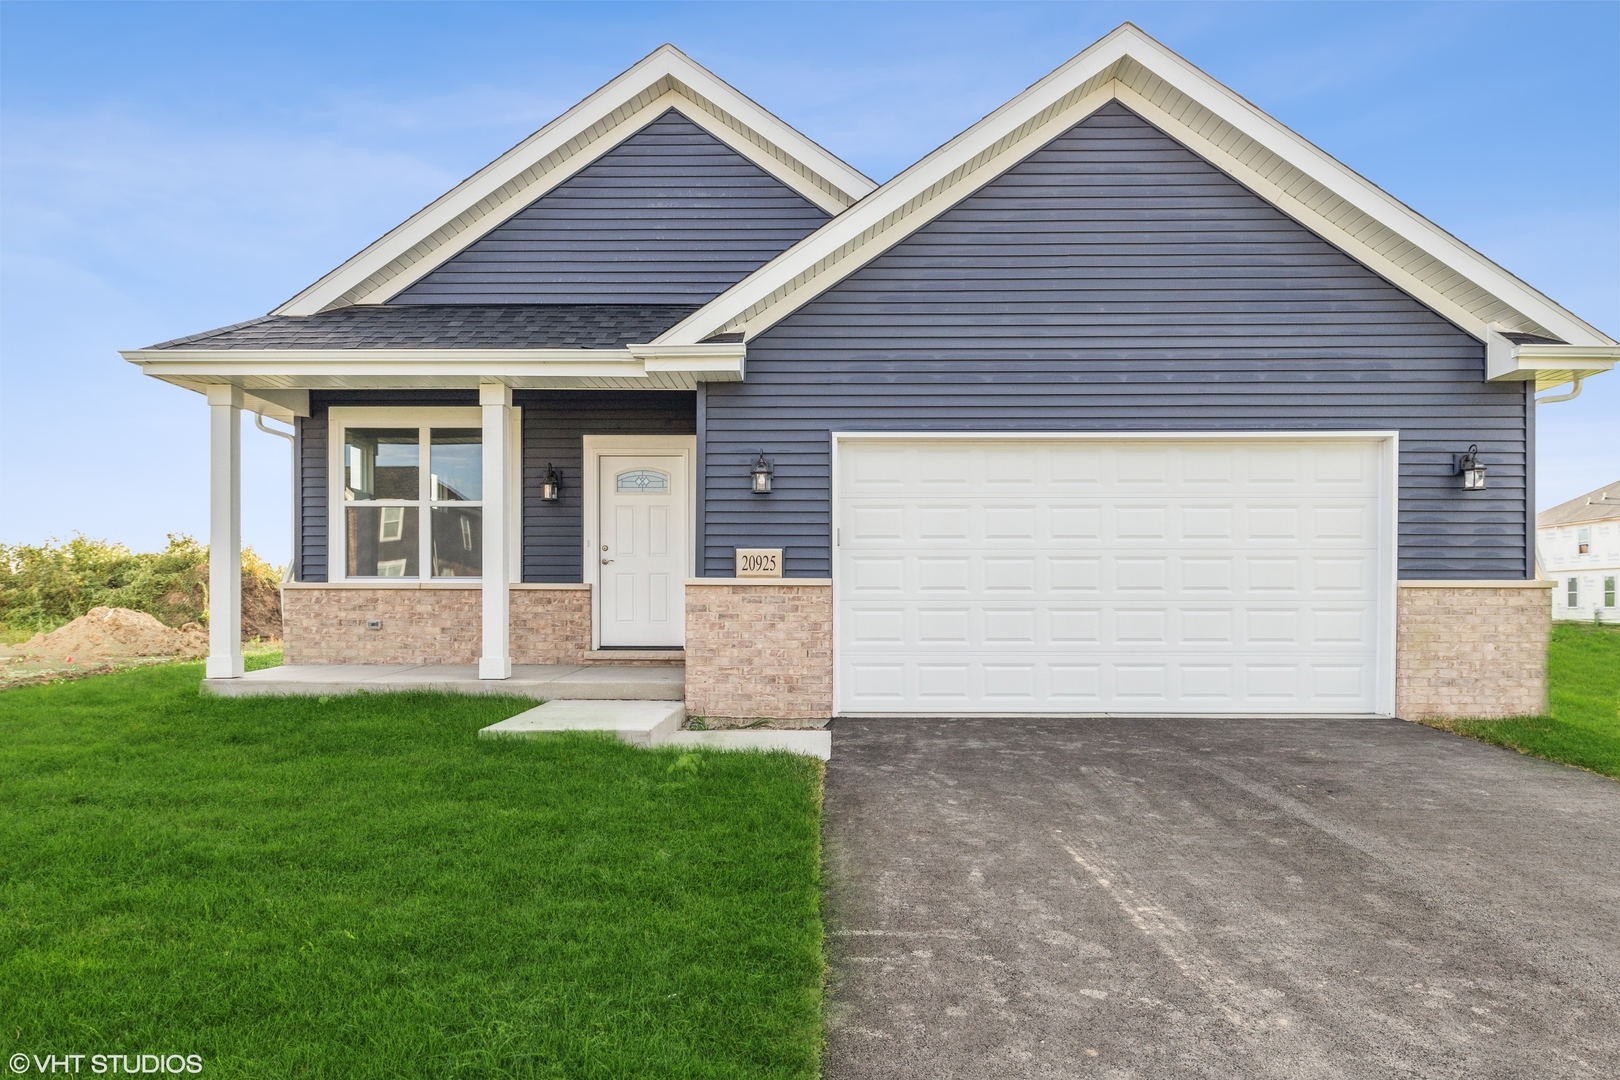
671,215
311,529
1115,281
554,424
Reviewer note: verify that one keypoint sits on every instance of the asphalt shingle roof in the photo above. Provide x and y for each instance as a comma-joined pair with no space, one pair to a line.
1599,505
448,326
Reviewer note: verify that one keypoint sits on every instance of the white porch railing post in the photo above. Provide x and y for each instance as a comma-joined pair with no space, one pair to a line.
496,660
224,532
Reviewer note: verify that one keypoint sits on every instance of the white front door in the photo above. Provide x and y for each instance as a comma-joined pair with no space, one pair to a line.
642,536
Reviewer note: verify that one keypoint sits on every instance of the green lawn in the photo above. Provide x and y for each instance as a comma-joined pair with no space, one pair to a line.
1583,667
360,887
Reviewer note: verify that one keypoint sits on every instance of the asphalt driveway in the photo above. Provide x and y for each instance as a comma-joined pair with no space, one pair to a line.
1130,898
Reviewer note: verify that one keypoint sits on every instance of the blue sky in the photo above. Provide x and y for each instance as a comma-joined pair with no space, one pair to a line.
169,168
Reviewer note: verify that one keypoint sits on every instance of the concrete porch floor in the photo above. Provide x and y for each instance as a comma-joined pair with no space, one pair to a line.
549,682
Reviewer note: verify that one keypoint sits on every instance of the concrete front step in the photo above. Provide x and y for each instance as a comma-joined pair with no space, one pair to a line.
640,723
651,723
547,682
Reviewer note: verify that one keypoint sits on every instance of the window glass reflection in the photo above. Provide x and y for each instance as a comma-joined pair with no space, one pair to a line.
458,541
457,464
380,463
383,541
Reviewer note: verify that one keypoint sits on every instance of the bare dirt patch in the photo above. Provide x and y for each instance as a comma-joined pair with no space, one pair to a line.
106,633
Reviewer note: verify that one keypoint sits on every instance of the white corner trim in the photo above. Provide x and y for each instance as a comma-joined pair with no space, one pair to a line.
1129,61
663,79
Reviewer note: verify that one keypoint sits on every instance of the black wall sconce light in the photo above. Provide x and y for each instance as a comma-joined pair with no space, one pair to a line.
761,473
551,486
1469,468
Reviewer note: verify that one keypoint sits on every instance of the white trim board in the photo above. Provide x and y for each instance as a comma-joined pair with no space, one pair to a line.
1388,513
1300,179
594,448
664,79
638,367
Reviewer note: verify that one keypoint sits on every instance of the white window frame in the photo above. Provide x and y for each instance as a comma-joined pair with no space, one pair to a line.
1572,593
425,417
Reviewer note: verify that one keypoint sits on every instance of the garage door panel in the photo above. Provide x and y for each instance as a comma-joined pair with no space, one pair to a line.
1102,577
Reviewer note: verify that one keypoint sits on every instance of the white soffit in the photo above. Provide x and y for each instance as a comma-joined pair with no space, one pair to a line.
666,79
1300,179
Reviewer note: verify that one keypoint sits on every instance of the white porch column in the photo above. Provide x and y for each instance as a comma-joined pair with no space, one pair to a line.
224,532
496,402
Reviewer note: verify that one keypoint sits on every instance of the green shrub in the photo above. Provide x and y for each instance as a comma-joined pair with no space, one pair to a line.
43,586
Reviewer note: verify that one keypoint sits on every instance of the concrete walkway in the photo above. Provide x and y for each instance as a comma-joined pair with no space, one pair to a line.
1243,898
550,682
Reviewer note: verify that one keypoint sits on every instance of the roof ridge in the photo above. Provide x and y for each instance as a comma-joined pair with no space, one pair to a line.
1211,120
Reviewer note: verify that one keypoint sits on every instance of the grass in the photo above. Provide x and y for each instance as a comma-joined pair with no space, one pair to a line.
1583,725
360,887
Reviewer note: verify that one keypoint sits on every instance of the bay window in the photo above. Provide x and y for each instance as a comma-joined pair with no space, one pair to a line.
407,493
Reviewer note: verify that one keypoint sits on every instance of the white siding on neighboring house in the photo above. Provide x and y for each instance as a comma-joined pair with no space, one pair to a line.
1583,560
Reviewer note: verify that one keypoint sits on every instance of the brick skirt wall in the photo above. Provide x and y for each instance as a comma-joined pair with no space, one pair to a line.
1472,650
759,650
429,625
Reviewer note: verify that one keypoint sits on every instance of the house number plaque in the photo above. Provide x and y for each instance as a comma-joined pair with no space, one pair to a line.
759,562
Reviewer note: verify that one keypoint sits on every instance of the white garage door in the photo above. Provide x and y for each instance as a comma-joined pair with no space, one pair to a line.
1143,576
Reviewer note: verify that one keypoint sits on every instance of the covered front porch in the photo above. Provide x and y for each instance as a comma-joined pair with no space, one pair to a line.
450,503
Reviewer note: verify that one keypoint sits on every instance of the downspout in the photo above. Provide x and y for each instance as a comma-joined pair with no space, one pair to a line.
290,574
1575,392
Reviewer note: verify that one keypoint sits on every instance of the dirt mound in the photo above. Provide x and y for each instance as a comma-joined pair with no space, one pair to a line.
105,633
261,609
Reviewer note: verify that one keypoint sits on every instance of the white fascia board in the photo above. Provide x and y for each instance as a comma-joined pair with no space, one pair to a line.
665,74
853,239
711,362
295,368
846,181
1547,365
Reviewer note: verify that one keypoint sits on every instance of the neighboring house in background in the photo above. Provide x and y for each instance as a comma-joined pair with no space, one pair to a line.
1579,546
1126,400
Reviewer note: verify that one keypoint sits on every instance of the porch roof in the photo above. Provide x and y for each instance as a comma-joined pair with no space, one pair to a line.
277,359
446,326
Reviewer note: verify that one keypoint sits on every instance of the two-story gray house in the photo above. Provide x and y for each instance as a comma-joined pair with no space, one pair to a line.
1127,399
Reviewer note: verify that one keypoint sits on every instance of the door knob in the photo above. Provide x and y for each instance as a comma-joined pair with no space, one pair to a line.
606,561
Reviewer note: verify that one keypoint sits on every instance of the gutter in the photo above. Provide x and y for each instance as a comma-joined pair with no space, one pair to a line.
1547,364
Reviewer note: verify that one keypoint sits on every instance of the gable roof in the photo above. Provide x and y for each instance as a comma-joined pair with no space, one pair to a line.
665,79
1600,505
1129,66
671,215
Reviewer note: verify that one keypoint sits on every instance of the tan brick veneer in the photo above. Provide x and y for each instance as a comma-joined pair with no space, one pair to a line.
1472,649
759,649
326,624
